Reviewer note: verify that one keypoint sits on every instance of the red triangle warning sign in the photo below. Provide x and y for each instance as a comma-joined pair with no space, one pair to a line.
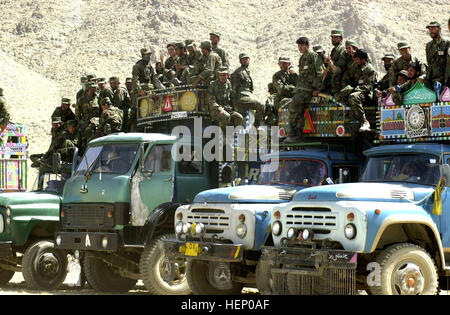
167,107
309,127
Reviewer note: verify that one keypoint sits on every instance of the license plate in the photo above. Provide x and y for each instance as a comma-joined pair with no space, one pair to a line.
178,115
191,249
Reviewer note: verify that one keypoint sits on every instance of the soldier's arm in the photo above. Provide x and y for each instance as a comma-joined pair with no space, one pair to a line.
208,72
318,68
340,63
369,79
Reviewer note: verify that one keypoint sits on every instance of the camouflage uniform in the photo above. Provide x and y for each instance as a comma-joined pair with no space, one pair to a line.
310,78
106,92
122,101
89,133
437,55
397,96
69,141
271,111
400,64
383,84
80,94
65,115
222,53
88,109
282,83
4,115
332,82
110,121
219,102
56,138
242,98
143,72
212,64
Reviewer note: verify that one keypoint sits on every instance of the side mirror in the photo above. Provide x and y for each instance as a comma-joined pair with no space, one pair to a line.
56,163
445,172
344,175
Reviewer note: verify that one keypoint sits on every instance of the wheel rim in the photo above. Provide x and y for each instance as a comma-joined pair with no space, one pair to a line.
48,266
408,279
171,274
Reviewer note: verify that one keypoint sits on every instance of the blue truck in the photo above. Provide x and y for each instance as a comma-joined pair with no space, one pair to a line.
388,234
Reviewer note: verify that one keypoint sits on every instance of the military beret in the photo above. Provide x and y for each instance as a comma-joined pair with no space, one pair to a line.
1,92
145,51
114,79
403,73
303,41
180,45
56,120
434,24
216,34
402,45
206,44
65,100
284,59
72,123
106,100
129,80
101,80
318,49
388,56
351,43
337,33
243,55
223,70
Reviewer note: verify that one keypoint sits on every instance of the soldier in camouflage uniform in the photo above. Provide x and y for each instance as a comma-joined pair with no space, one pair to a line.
193,53
308,85
212,63
383,84
361,80
64,111
336,64
168,66
80,95
414,72
89,133
56,133
121,100
103,90
282,82
110,119
89,107
402,62
219,100
69,140
215,39
4,115
143,72
437,52
242,97
182,62
271,110
128,85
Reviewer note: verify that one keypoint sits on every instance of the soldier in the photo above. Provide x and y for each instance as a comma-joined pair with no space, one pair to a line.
308,85
182,62
56,133
413,73
321,52
402,62
88,133
282,82
293,76
110,119
437,51
143,72
80,94
350,49
336,63
383,84
103,90
193,53
242,84
212,64
271,111
128,85
219,100
4,115
360,89
89,107
402,77
215,39
69,140
168,69
121,100
64,111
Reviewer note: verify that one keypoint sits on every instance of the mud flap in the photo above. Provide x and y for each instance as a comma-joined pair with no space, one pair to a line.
220,275
139,212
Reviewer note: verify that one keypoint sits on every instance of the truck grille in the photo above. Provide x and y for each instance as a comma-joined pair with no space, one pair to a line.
87,216
215,221
312,218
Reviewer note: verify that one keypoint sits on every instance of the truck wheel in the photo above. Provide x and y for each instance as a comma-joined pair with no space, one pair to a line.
160,277
198,279
43,266
104,278
264,280
5,276
406,269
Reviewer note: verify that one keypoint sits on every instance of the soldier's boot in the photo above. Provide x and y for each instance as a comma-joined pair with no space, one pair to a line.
365,125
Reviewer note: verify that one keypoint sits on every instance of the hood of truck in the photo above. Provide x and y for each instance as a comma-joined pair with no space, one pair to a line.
248,194
28,198
391,192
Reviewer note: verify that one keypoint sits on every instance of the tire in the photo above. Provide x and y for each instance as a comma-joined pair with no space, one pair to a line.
103,278
197,276
401,261
5,276
43,266
151,268
264,280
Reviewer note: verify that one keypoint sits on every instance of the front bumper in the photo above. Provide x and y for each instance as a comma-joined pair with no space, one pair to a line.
6,250
203,250
305,271
94,241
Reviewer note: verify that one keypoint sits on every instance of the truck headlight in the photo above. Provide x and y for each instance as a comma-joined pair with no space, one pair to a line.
199,228
241,230
179,228
350,231
186,228
104,242
292,234
2,224
8,212
276,228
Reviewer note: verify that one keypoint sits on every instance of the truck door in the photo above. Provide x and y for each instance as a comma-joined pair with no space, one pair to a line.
152,185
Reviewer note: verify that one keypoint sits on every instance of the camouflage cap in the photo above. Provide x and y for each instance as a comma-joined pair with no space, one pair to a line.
388,56
128,80
216,34
402,45
101,80
72,123
223,70
351,43
403,73
65,100
284,59
337,33
434,24
189,42
83,80
318,49
243,55
180,45
56,120
145,51
114,79
206,44
106,100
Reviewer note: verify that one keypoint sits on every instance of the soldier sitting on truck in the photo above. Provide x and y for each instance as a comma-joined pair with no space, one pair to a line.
64,111
414,72
70,139
110,119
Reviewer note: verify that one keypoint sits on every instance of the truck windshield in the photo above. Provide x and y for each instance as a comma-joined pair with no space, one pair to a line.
109,158
302,172
412,168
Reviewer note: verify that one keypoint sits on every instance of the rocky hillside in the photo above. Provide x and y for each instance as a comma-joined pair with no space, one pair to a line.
47,45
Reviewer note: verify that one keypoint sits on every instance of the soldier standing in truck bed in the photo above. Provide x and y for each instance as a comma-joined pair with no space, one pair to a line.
336,63
215,39
110,119
437,51
64,111
89,107
282,82
104,90
402,62
4,115
212,63
143,72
